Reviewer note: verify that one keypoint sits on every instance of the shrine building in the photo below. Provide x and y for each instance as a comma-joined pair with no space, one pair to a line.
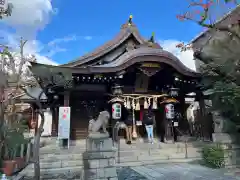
141,67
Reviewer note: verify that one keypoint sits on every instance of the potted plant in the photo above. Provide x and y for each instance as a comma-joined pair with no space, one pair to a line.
11,162
20,160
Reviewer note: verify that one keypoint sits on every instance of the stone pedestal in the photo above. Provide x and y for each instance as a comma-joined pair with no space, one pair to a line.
220,135
226,140
99,158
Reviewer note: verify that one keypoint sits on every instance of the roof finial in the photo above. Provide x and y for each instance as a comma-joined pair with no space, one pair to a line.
130,20
152,39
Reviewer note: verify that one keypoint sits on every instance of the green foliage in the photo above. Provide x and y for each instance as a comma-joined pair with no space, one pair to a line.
11,139
213,156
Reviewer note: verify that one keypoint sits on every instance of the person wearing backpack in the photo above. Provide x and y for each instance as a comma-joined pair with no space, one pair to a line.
149,121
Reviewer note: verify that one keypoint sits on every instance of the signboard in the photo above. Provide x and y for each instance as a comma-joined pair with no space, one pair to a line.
64,122
151,65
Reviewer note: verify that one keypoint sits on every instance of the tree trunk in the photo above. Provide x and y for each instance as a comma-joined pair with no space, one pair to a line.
36,159
36,156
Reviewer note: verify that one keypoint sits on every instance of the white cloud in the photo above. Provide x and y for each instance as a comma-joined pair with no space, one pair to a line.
29,16
32,47
64,39
185,57
88,38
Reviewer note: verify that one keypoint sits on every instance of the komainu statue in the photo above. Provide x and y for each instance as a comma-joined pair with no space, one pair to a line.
101,122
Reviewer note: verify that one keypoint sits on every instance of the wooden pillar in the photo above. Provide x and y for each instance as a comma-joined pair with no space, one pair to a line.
202,111
66,98
55,121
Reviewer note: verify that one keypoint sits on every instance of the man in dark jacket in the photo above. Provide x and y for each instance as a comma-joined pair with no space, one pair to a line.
129,123
149,121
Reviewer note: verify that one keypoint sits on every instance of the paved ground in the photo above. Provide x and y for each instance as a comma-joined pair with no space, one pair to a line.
173,172
159,172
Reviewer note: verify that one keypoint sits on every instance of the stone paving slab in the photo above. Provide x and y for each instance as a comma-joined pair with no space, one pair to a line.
154,172
181,172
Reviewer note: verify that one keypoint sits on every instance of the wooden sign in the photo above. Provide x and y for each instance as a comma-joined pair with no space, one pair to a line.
151,65
98,76
150,69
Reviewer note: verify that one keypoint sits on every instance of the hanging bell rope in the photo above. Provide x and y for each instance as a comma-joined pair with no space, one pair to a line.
128,103
145,103
137,105
133,104
154,103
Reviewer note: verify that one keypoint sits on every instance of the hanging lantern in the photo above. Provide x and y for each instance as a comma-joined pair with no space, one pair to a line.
137,106
128,103
145,103
117,90
154,103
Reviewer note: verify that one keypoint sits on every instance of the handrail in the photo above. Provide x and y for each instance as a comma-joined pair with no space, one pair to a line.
185,142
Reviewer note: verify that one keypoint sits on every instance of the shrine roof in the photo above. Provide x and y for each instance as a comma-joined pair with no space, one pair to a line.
33,92
140,51
127,30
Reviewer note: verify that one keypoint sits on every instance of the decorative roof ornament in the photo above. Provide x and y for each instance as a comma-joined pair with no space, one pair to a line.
152,39
130,20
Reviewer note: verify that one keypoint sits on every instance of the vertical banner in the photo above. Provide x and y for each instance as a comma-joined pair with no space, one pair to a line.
64,123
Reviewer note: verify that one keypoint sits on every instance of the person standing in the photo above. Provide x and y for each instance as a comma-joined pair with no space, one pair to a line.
129,124
149,121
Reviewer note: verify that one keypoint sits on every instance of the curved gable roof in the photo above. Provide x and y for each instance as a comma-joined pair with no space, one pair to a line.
148,54
125,32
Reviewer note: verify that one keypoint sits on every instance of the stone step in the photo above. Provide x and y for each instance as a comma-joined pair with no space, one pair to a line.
77,160
51,171
77,155
123,147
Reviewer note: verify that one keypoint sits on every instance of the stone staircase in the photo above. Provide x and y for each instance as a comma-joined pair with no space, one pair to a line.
54,160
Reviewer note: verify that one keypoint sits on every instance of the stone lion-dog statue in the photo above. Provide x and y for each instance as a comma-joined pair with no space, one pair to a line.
101,122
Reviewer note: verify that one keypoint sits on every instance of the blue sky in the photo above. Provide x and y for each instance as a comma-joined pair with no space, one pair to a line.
102,20
61,31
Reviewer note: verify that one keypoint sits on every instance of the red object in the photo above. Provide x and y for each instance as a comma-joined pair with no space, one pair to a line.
64,116
141,115
20,162
112,109
9,166
166,110
32,124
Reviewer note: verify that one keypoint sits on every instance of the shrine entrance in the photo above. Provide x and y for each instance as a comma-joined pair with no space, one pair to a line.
84,106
